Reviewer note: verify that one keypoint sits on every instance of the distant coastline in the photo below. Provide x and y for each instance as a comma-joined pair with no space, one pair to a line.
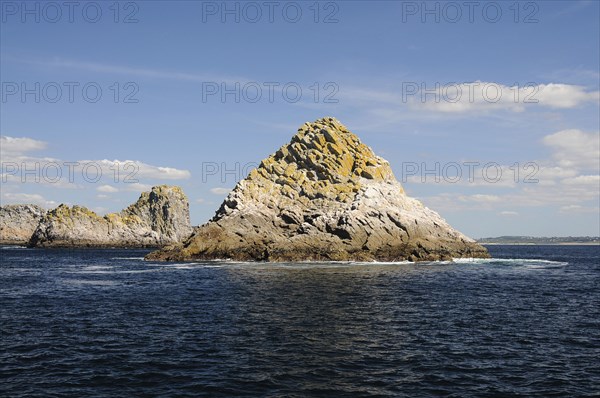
532,240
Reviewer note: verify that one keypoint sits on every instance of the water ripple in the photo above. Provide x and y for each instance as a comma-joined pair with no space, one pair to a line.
105,323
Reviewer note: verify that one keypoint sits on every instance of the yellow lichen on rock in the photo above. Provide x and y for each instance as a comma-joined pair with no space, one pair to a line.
321,151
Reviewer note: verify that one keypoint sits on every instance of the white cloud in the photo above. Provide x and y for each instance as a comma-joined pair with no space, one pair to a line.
574,148
220,191
570,208
584,180
509,213
551,172
134,175
15,150
579,209
25,198
17,146
134,169
439,99
484,174
524,195
564,95
483,96
456,201
479,198
107,188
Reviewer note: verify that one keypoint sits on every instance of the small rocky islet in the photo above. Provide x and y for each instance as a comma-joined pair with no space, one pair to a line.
324,196
159,217
18,222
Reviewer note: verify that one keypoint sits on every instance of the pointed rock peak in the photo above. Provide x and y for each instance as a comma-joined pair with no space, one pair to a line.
323,163
162,190
167,190
158,193
326,150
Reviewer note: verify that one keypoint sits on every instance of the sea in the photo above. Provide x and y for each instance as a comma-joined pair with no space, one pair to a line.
106,323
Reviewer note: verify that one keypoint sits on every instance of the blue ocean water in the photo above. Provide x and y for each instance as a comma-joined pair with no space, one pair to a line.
105,323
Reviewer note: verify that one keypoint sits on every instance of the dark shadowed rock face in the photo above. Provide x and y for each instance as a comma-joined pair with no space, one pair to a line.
323,196
158,218
17,223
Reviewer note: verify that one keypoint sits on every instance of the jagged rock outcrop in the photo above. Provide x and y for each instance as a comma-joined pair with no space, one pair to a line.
323,196
17,223
158,218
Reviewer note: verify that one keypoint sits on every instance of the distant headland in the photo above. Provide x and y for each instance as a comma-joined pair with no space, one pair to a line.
532,240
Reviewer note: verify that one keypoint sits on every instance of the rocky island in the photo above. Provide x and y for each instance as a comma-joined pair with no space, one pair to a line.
158,218
325,196
18,222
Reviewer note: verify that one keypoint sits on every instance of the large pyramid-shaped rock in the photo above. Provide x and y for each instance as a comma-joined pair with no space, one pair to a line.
323,196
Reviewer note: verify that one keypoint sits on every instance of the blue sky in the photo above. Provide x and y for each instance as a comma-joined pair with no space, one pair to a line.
528,73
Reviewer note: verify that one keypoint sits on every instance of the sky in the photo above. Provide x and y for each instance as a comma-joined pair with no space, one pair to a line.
487,111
